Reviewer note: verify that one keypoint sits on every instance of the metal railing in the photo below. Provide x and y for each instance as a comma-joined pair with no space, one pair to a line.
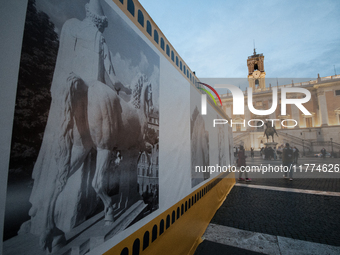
305,144
238,138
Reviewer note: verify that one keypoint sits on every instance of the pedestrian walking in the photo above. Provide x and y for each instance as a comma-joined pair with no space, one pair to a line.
235,151
287,160
274,153
296,155
252,152
241,162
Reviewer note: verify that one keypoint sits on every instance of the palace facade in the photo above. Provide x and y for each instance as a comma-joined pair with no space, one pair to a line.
309,133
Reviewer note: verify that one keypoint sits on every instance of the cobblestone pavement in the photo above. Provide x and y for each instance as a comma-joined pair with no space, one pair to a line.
306,183
302,180
307,168
293,215
208,247
306,217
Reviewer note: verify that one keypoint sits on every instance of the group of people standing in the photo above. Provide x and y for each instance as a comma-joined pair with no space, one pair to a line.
268,153
296,153
288,154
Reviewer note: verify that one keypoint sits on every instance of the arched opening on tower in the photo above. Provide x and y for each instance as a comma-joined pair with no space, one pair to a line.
256,67
257,83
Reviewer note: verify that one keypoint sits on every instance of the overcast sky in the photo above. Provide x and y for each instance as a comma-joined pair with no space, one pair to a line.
298,38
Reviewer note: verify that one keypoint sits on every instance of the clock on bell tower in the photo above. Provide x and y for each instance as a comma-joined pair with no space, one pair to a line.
256,73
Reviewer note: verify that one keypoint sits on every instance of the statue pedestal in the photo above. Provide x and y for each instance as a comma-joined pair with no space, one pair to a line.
271,144
271,153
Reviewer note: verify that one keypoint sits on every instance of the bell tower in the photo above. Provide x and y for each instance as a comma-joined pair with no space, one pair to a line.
256,73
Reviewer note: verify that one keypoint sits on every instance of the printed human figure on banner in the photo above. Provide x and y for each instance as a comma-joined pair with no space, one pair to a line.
199,148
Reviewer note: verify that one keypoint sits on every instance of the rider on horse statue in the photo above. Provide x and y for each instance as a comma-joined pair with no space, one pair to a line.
270,130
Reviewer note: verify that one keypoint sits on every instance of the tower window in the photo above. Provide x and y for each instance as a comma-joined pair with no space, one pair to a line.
256,83
256,67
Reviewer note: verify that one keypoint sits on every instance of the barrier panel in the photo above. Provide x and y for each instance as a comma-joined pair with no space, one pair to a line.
105,147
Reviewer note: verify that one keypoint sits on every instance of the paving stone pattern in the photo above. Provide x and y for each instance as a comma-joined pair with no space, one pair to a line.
320,184
314,218
212,248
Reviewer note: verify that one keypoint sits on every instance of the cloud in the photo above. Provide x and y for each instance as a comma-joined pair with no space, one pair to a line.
129,74
215,38
144,63
62,10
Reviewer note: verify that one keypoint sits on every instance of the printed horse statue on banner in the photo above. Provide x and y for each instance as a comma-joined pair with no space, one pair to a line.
96,116
92,117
